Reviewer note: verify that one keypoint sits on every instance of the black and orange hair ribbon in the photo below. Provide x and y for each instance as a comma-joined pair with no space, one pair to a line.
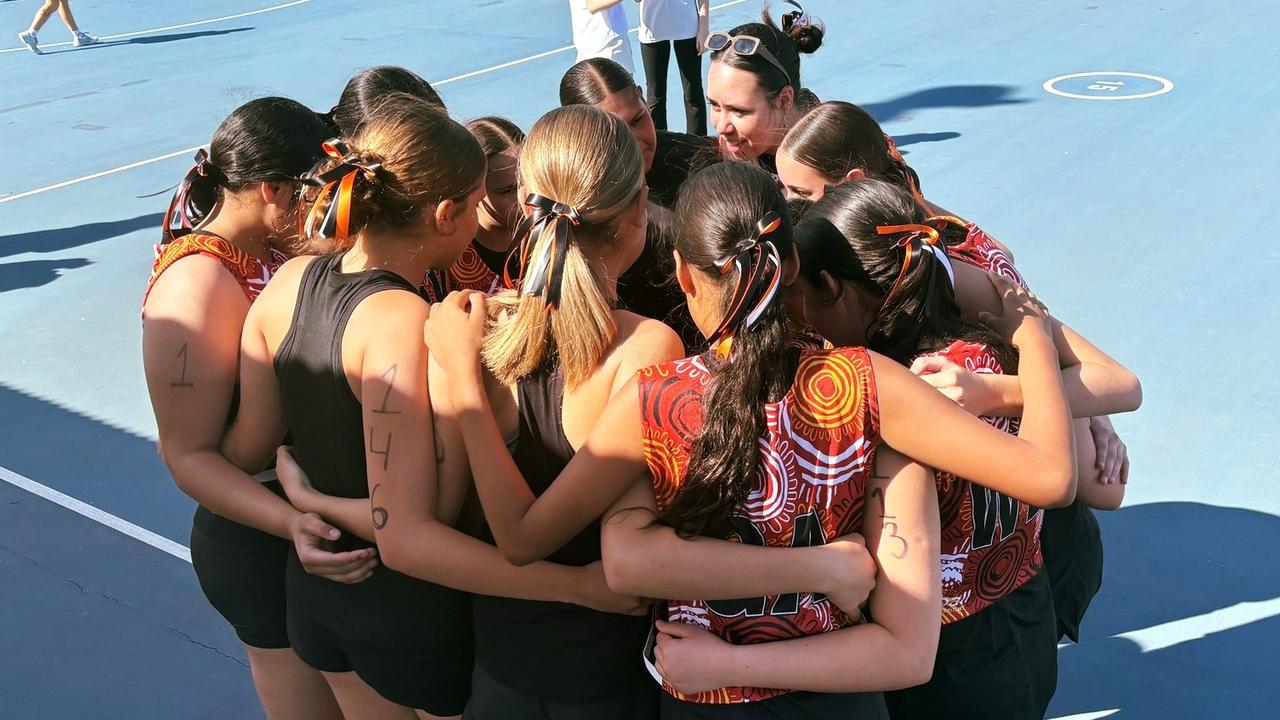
183,214
338,183
759,267
541,274
917,239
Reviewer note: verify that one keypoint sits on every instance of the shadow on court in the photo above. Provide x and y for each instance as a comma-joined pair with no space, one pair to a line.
913,138
57,239
96,623
948,96
34,273
1171,562
150,40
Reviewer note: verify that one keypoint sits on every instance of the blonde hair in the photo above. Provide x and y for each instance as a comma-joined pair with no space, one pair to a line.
589,160
424,157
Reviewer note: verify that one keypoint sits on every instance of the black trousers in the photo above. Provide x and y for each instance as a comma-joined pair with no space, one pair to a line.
657,58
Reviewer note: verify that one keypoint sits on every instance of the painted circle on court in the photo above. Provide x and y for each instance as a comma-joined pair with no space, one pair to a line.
1108,85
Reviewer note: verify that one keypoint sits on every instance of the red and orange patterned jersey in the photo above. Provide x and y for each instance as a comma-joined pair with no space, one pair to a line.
250,272
981,250
990,543
469,272
816,460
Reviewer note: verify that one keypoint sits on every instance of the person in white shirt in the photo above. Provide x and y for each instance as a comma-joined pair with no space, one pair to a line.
682,23
600,30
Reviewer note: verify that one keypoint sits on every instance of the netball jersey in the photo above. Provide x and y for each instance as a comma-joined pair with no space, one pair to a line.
478,268
816,460
249,271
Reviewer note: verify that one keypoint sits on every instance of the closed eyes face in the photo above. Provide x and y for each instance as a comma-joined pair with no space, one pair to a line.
628,105
500,208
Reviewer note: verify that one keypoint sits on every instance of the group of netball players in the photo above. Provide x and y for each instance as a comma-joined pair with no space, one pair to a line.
601,422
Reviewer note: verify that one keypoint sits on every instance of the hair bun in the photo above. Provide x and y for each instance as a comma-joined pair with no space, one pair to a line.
808,37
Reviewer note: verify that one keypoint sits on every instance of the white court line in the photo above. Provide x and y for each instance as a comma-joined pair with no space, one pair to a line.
1089,715
120,525
176,153
1176,632
260,11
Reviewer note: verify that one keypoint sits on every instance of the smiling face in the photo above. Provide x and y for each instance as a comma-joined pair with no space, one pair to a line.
628,105
748,122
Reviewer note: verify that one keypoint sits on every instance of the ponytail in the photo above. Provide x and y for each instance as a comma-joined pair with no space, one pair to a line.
733,226
194,198
873,235
559,305
584,169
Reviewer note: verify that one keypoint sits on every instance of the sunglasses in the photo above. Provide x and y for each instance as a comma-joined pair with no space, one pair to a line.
744,45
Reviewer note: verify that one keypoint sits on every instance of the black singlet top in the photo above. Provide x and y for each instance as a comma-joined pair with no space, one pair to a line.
390,609
555,650
676,157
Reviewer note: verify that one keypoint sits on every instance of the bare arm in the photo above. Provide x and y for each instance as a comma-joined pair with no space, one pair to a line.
897,650
403,498
525,527
1095,383
649,560
190,344
1037,466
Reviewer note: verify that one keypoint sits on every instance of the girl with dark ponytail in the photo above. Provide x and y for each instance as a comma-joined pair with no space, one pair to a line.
369,87
783,436
226,230
874,272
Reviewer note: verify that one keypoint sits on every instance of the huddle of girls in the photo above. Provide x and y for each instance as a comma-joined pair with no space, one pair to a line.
603,421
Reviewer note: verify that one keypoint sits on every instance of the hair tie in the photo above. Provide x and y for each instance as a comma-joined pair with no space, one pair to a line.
759,268
183,214
339,183
795,19
541,274
918,238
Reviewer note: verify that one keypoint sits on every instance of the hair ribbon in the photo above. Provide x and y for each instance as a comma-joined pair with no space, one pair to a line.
542,239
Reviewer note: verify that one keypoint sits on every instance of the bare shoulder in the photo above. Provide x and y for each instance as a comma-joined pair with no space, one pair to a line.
643,341
195,284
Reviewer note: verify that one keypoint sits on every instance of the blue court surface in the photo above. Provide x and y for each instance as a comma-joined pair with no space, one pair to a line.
1140,200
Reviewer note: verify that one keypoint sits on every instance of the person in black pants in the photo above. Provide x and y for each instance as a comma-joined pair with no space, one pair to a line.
682,23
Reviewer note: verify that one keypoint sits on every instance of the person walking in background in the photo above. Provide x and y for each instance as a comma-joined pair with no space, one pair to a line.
600,30
682,23
79,37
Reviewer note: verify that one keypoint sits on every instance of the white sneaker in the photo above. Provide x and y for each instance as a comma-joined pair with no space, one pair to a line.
83,38
28,38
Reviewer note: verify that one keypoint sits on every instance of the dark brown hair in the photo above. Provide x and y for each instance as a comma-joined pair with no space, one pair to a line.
836,137
718,209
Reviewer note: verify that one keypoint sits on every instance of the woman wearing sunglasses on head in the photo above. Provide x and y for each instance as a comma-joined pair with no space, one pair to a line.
754,83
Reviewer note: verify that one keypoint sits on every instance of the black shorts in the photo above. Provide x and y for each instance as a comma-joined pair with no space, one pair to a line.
409,640
792,706
241,572
491,700
1072,544
1001,663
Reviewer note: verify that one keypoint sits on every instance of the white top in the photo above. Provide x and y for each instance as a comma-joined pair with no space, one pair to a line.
603,34
662,20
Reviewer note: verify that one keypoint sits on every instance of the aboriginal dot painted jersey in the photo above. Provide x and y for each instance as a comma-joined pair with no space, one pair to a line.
250,272
816,460
990,543
478,268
